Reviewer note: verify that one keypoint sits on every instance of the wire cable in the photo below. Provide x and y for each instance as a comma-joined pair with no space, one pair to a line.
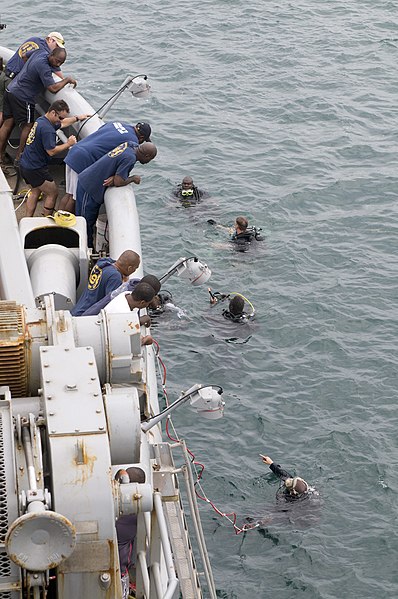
199,491
26,193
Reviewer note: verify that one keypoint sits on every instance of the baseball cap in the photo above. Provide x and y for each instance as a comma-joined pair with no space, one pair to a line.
58,38
145,130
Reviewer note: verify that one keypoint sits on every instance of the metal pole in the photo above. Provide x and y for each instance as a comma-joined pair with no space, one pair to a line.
144,571
129,79
27,445
197,523
168,558
145,426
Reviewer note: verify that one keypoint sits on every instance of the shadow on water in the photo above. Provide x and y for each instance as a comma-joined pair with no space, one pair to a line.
228,331
300,514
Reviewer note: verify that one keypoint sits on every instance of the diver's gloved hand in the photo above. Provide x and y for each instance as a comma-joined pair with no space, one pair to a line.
211,221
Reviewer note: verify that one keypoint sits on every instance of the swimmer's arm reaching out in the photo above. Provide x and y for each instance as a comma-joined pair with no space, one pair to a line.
276,469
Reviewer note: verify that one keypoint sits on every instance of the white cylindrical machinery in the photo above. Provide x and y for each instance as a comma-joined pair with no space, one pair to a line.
14,277
123,223
101,241
89,331
54,269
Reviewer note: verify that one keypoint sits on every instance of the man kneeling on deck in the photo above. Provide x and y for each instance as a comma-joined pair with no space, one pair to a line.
106,276
40,146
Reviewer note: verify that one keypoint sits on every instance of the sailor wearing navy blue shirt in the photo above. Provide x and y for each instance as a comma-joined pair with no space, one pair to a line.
40,146
111,170
106,276
25,50
20,97
93,147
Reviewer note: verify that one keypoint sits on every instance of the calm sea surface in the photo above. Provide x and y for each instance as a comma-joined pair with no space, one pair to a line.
285,112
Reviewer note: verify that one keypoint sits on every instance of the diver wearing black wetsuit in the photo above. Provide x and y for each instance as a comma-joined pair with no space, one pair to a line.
241,317
294,487
192,196
188,193
251,234
235,311
243,235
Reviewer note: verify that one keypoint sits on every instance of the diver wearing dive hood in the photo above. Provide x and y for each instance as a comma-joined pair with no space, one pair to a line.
293,487
188,193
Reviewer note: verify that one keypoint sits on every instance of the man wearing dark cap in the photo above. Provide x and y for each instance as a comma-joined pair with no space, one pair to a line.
293,487
93,147
111,170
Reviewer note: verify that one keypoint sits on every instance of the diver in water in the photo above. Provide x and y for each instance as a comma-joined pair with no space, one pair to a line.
293,487
235,311
188,193
297,503
243,233
163,302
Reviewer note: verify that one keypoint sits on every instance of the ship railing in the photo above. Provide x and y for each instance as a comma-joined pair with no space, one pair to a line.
187,542
156,576
196,521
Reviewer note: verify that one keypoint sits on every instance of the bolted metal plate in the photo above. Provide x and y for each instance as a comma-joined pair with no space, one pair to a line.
40,540
71,390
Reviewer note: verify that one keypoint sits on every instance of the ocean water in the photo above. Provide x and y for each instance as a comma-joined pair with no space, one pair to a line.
284,112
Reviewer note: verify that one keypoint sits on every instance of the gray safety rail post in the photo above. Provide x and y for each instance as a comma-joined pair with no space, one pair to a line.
172,586
193,507
154,548
10,574
166,481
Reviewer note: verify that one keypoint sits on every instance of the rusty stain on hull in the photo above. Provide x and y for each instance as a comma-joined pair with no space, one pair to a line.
83,462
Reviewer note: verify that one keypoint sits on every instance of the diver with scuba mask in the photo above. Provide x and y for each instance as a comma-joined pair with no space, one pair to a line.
241,235
235,311
188,193
293,487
